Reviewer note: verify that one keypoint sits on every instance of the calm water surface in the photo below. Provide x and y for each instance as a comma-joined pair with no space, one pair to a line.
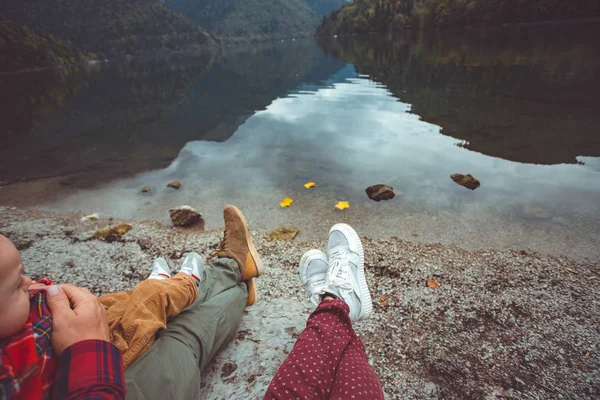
517,108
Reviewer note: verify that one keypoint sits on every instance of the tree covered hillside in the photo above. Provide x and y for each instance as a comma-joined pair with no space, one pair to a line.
109,27
256,19
387,15
20,46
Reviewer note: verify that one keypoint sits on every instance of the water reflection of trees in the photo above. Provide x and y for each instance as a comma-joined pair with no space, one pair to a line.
118,119
527,94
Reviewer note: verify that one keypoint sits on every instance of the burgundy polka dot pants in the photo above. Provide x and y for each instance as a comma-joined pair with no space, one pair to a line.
328,361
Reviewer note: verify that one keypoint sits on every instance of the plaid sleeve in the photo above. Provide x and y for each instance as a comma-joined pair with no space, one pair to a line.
90,370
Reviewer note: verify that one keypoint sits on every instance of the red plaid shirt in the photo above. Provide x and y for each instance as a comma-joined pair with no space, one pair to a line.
90,369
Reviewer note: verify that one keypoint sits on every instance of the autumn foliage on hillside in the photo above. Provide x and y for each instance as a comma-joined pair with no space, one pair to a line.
393,15
108,27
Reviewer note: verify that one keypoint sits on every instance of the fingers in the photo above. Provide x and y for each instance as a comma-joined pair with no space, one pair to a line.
76,295
36,285
57,300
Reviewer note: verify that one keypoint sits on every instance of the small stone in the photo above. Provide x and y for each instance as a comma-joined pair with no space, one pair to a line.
228,369
147,189
175,185
284,234
185,216
466,180
380,192
91,217
112,233
519,380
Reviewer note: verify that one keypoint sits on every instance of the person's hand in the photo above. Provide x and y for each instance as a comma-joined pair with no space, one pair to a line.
36,285
77,315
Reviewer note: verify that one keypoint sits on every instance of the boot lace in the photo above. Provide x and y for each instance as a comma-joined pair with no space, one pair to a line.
222,245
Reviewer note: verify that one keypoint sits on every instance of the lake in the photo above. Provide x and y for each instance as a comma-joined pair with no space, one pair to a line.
516,107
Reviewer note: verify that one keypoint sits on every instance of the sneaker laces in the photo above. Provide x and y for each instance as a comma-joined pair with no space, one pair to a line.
339,269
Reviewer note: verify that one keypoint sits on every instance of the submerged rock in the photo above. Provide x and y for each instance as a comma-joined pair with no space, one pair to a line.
111,234
466,180
175,185
284,234
146,189
380,192
185,216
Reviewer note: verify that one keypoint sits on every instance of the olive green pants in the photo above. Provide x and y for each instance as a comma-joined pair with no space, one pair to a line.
171,368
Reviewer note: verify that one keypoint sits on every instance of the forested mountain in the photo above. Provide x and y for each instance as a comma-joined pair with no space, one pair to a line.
20,46
256,19
393,15
109,27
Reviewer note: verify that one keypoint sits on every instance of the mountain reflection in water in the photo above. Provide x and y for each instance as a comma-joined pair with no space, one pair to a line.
250,127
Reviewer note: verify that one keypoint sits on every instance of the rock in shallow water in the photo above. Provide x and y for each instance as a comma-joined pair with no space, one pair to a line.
380,192
185,216
466,180
175,185
285,234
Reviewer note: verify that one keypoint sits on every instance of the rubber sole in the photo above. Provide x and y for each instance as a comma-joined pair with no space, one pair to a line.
305,260
252,292
365,295
260,268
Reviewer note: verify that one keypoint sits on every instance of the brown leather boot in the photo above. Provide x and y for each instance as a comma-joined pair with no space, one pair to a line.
237,244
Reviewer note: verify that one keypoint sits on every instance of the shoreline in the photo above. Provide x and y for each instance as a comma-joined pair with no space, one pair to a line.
511,322
455,218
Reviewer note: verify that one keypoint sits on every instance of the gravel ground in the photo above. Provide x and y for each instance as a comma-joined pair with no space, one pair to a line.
508,324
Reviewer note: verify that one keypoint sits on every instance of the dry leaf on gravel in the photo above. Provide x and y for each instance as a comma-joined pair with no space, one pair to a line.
432,283
382,300
285,234
111,234
309,185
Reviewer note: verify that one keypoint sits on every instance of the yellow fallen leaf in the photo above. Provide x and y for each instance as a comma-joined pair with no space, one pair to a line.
342,204
286,202
309,185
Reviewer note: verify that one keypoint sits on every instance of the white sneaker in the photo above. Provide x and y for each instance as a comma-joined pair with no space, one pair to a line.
313,272
160,269
346,275
193,265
